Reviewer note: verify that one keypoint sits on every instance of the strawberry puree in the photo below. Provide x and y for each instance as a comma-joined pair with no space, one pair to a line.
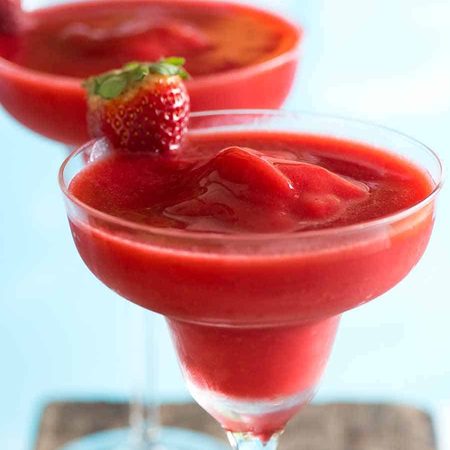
262,371
263,364
253,320
274,183
89,39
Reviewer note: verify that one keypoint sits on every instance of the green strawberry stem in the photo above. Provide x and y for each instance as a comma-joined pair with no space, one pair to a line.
112,84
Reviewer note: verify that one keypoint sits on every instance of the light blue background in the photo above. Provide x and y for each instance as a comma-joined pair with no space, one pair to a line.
64,335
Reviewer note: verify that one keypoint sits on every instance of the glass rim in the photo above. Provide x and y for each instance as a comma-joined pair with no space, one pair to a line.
75,82
248,236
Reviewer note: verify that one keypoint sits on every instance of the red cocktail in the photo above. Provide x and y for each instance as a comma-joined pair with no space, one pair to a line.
238,56
252,240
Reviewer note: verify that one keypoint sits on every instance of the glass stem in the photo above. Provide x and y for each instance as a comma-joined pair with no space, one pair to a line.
145,406
247,441
144,416
144,423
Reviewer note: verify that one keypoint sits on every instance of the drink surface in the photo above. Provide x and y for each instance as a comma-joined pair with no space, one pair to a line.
92,38
250,183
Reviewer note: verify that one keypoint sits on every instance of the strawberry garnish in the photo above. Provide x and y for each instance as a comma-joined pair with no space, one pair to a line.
10,16
143,107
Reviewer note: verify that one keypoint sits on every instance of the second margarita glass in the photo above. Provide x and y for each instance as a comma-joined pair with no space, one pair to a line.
52,102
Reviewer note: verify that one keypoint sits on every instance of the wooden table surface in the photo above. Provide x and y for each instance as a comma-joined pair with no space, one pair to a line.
318,427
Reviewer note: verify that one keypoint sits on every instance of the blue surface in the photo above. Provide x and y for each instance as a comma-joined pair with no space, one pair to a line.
62,334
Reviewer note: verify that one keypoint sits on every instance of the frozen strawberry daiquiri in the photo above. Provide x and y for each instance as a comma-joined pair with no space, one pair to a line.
239,56
252,238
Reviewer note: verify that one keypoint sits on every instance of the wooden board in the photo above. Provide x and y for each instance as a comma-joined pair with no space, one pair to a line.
317,427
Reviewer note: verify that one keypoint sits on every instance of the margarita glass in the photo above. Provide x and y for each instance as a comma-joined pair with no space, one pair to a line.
253,315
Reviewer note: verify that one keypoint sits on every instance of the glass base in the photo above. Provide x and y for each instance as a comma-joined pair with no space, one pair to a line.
169,439
257,417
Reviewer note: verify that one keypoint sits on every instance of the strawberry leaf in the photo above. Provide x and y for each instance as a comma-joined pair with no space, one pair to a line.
175,60
169,66
112,84
112,87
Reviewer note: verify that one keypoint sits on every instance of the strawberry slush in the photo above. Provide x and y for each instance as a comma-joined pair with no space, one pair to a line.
252,320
